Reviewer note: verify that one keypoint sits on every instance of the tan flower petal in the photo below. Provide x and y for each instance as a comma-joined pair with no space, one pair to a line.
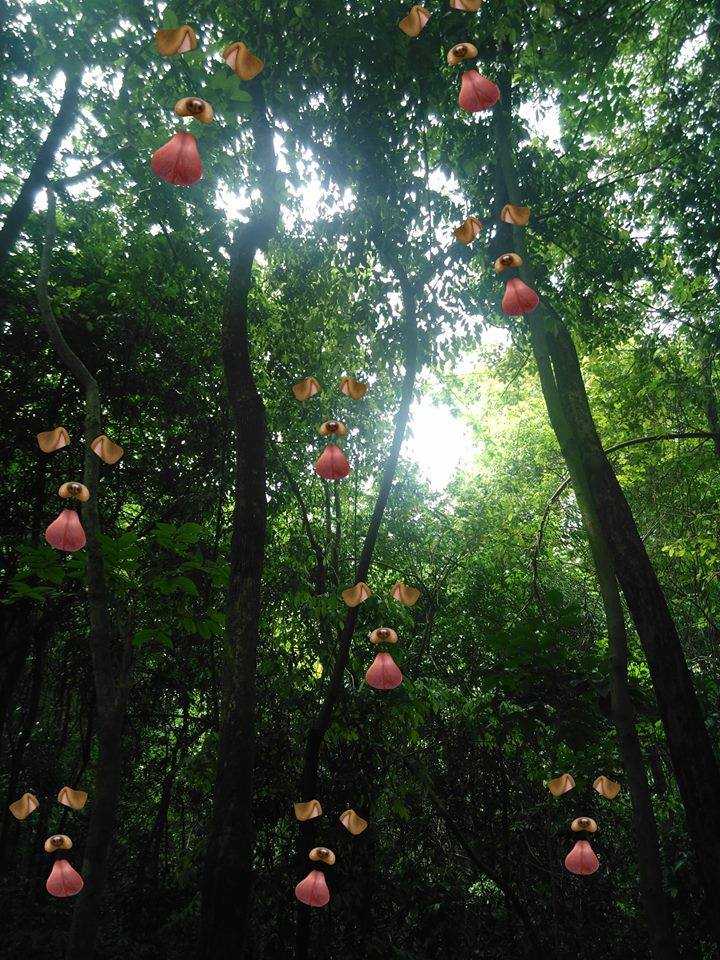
408,596
606,787
353,388
322,854
561,784
58,842
75,799
506,261
583,824
468,231
74,491
352,822
354,596
51,440
414,23
105,448
22,808
307,810
179,40
518,216
245,64
304,389
333,428
383,635
195,107
460,52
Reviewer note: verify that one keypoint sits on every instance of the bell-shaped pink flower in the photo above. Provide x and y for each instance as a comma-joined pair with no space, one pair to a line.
384,673
64,881
518,298
313,890
582,860
178,161
66,533
477,92
332,463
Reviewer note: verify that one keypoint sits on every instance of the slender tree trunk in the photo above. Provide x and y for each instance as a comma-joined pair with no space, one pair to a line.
59,128
694,762
228,875
109,662
309,777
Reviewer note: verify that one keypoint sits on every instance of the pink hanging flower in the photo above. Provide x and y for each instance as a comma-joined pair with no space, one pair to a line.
313,890
63,881
384,673
178,161
66,533
582,860
332,463
477,92
519,298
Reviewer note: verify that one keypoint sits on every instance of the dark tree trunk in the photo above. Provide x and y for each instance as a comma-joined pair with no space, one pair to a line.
655,903
228,876
59,128
694,762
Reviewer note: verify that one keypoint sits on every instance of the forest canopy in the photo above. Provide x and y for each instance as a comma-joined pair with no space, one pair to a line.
361,548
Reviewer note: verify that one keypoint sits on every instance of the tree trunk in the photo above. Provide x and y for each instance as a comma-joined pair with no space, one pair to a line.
228,876
59,128
655,902
695,765
110,664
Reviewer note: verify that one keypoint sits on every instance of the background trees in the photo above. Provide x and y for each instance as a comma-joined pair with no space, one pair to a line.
506,657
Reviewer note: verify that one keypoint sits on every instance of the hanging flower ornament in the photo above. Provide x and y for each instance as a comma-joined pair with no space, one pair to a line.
194,107
178,161
304,389
460,52
477,92
468,231
518,298
414,23
51,440
508,261
245,64
179,40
